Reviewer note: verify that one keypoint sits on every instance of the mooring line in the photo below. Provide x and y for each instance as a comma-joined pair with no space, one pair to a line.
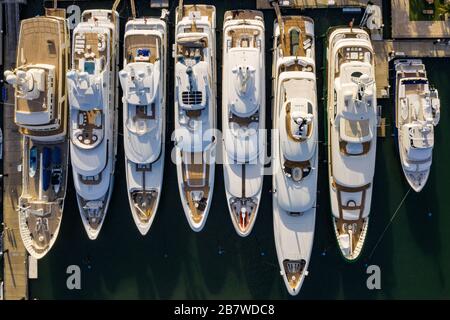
389,223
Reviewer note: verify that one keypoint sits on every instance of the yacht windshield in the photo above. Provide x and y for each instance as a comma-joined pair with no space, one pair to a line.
89,67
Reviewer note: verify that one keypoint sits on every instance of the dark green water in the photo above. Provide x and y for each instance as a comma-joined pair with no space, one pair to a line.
174,262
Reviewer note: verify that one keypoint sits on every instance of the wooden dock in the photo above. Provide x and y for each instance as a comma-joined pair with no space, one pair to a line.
15,266
306,4
403,27
385,50
15,255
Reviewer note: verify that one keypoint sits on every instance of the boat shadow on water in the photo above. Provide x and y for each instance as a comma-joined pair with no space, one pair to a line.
427,209
174,262
378,249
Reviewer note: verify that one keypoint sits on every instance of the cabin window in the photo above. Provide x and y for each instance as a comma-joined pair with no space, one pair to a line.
89,67
141,109
294,36
51,47
310,108
143,167
90,179
335,104
245,42
143,52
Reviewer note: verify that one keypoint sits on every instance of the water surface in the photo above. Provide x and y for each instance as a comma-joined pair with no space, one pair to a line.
173,262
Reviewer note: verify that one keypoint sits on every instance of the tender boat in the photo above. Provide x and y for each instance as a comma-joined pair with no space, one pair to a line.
92,85
195,109
417,112
352,135
295,149
41,115
143,79
243,115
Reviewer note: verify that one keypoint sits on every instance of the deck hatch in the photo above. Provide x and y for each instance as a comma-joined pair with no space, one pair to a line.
192,97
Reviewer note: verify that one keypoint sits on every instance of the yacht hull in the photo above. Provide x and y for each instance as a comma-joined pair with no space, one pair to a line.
93,97
145,49
39,242
154,182
195,110
196,220
93,232
412,182
250,177
42,122
417,111
294,237
294,148
243,116
352,199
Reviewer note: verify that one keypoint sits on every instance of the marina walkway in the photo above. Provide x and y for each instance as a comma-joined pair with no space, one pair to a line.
403,27
264,4
406,48
15,256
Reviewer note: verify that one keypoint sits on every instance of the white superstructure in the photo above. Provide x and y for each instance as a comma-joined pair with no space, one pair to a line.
195,109
294,147
243,115
41,116
417,112
92,85
352,135
143,80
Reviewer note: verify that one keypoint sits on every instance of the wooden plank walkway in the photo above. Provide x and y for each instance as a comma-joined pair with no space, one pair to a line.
15,256
402,27
407,48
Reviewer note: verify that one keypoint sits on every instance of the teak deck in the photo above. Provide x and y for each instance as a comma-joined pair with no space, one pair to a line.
195,178
91,40
205,10
50,31
294,23
144,202
135,42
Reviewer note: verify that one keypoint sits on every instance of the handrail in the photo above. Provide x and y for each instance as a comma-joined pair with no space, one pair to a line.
113,11
280,21
133,9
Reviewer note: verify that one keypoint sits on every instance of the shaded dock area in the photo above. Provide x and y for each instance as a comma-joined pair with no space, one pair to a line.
404,27
388,49
307,4
15,256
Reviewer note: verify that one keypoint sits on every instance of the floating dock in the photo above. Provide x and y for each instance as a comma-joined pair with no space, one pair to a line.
387,49
15,256
311,4
402,27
